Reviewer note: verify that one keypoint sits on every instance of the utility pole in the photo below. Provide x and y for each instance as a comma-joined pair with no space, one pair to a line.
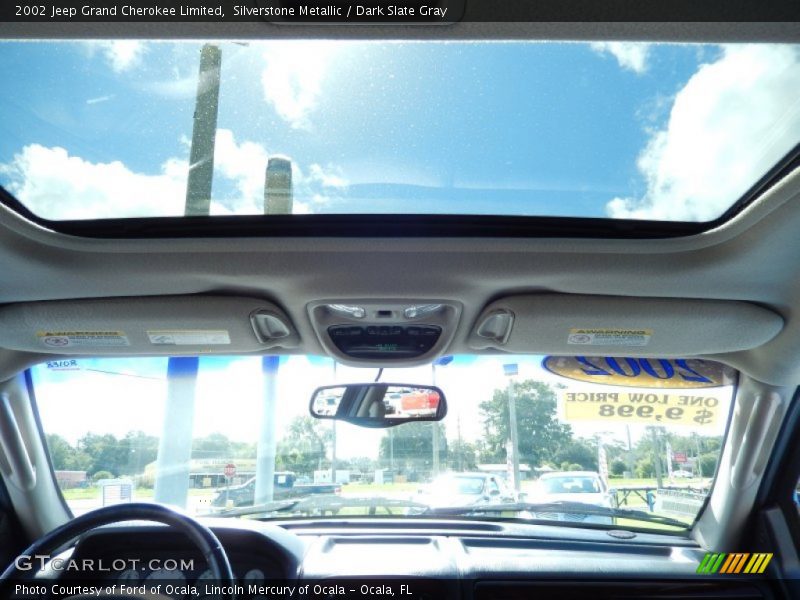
630,451
333,436
391,451
439,362
460,445
435,431
512,447
657,457
175,444
697,460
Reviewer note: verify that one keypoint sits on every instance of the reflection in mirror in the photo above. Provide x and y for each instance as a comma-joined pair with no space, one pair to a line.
326,401
378,404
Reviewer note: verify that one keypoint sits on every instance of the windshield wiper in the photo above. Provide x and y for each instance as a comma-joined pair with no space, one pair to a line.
319,504
556,507
266,507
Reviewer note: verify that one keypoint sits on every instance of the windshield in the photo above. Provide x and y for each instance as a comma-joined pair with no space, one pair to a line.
233,436
108,129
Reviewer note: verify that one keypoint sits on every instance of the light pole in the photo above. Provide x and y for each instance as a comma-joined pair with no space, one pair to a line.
439,362
333,437
512,451
657,457
391,451
697,460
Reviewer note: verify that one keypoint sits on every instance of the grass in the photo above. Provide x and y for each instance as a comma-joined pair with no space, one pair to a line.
380,488
91,493
362,488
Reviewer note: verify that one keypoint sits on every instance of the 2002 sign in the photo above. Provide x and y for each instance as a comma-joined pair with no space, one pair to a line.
36,10
642,372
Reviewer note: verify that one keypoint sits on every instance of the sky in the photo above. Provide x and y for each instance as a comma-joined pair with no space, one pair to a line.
118,395
677,132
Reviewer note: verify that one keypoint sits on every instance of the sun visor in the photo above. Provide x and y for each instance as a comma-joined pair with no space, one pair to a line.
566,325
152,325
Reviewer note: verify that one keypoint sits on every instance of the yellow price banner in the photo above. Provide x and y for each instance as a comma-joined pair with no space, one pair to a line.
650,407
662,373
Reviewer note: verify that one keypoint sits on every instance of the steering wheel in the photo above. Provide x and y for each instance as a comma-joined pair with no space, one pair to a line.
202,537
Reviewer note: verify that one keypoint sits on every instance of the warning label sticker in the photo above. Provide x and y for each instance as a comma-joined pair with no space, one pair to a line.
86,339
189,337
609,337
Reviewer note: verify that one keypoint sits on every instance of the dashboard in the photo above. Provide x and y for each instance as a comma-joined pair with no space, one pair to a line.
407,559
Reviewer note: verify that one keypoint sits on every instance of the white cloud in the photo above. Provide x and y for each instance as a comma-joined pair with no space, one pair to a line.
630,55
245,164
56,185
176,87
732,121
122,55
327,176
293,76
99,99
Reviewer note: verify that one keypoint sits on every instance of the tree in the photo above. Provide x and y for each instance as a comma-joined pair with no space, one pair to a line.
61,452
538,429
362,464
462,456
102,475
304,448
618,467
411,446
104,453
243,450
215,445
578,451
137,450
645,468
708,462
65,457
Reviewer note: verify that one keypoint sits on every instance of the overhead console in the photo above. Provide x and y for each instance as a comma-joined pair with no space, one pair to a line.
384,333
566,324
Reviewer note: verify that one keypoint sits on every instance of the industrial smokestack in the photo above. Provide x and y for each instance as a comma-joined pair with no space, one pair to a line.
204,131
278,187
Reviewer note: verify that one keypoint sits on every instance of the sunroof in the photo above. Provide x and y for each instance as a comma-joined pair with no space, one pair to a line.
113,129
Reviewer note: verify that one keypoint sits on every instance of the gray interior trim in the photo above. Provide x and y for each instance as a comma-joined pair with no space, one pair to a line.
39,506
758,411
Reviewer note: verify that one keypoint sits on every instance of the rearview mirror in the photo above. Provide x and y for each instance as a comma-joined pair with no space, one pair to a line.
378,404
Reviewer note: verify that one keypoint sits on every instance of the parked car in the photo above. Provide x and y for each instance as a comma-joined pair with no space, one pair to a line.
682,474
419,401
584,487
572,486
286,485
465,489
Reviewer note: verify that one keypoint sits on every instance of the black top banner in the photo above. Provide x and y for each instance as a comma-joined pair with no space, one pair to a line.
399,11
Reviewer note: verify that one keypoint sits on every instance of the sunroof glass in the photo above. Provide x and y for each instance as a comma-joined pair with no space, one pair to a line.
118,129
